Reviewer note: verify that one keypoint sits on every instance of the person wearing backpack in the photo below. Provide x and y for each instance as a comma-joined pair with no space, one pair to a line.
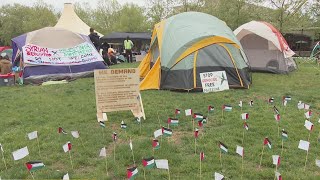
95,39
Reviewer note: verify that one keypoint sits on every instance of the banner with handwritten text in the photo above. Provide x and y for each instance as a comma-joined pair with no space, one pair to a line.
81,54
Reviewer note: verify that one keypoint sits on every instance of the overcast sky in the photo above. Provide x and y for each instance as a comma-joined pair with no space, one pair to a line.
58,4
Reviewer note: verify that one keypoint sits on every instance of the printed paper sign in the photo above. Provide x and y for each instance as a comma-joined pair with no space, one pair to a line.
118,90
214,81
81,54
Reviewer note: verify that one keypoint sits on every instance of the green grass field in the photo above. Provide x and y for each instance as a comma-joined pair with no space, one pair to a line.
72,106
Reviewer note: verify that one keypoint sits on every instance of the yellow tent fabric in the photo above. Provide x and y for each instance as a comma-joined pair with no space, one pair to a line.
152,80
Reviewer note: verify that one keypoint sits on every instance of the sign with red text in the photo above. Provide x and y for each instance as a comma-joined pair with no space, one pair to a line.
81,54
214,81
118,90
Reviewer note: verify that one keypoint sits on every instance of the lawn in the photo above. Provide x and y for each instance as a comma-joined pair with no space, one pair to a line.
72,106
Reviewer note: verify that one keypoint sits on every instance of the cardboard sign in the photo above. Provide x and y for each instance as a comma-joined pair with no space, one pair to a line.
81,54
118,90
214,81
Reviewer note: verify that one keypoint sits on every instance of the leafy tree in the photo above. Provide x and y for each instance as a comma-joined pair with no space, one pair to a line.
286,10
17,19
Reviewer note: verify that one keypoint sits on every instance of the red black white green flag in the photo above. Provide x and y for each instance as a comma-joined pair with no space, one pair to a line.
132,172
267,142
114,136
196,133
166,131
197,116
177,112
60,130
223,147
155,144
201,156
148,162
34,165
210,109
173,121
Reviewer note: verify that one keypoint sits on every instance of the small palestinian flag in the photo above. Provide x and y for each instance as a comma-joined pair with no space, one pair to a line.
114,136
275,109
102,124
227,108
198,116
223,148
284,134
210,109
60,130
34,165
196,133
308,125
308,114
276,160
267,142
148,162
201,156
155,144
200,124
277,117
287,98
244,116
138,120
166,131
251,103
278,176
271,100
173,121
245,125
123,125
177,112
240,104
132,172
284,102
67,147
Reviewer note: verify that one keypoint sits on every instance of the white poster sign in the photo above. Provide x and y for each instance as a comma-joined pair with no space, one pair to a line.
214,81
81,54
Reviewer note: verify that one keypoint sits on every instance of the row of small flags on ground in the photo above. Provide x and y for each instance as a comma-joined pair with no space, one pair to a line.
163,164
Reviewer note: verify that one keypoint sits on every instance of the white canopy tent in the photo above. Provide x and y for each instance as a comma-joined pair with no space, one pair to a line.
70,20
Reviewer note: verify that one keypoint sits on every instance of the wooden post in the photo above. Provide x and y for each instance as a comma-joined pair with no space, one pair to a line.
281,148
38,146
220,159
31,175
195,146
107,166
114,151
70,159
261,156
4,161
200,167
305,163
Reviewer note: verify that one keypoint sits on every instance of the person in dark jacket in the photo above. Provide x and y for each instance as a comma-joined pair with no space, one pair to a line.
95,39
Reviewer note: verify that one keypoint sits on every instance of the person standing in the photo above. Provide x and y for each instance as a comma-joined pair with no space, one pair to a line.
95,39
128,44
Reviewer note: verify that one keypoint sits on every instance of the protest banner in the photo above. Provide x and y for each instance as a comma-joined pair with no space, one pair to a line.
214,81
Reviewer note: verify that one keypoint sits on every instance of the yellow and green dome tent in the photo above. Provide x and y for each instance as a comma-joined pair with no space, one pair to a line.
187,44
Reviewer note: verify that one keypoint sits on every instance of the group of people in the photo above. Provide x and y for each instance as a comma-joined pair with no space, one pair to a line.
108,53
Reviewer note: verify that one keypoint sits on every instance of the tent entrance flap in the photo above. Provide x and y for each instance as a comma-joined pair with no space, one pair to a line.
152,79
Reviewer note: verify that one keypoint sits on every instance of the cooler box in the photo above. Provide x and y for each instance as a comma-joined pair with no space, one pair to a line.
6,79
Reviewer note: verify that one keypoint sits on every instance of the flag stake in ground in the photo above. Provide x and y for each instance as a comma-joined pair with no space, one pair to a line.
106,159
31,175
114,137
71,160
3,159
305,163
261,156
131,147
38,146
201,158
